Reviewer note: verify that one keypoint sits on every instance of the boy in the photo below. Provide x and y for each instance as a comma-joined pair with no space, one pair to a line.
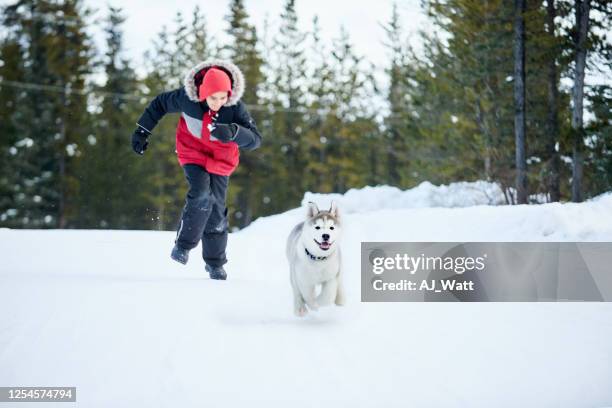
214,123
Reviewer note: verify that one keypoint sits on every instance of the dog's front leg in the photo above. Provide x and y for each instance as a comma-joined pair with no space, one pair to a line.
328,292
299,307
309,297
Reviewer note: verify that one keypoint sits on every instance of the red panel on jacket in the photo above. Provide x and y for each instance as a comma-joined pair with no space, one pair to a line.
215,156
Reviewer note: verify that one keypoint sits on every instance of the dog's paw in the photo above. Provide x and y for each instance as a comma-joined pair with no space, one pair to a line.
339,302
301,312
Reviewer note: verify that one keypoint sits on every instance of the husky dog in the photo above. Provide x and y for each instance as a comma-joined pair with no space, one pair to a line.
313,250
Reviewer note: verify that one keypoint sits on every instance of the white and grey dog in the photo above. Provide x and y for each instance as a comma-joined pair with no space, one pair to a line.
313,250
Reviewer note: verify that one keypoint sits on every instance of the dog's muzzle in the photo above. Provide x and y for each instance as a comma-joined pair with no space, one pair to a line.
325,245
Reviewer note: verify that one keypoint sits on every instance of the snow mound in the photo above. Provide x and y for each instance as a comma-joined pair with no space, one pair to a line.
425,195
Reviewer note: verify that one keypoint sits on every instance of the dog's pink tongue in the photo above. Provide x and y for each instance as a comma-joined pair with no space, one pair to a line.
324,244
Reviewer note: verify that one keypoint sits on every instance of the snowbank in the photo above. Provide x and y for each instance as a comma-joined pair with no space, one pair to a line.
461,194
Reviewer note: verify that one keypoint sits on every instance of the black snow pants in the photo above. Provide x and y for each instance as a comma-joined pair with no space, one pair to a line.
205,214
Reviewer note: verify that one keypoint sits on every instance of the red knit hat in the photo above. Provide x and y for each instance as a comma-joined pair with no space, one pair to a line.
215,80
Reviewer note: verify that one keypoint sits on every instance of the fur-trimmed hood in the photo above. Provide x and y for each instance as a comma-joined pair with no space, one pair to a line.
193,79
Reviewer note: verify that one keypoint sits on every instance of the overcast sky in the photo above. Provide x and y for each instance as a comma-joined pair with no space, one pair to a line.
362,19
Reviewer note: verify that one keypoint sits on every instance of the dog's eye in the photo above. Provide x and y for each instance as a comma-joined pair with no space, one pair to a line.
331,228
317,227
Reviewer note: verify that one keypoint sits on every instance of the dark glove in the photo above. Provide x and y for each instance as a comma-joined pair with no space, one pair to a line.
139,140
224,133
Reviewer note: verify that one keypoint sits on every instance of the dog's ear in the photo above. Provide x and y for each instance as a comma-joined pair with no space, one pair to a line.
312,209
333,210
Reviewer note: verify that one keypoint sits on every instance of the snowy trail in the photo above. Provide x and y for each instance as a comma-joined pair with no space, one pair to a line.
110,313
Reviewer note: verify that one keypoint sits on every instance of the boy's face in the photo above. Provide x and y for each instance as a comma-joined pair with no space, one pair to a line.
217,100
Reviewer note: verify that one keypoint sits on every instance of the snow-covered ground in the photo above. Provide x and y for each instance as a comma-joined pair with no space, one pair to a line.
110,313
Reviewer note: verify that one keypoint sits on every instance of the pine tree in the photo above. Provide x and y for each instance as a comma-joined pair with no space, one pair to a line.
598,164
287,97
200,44
396,139
57,60
69,58
180,50
317,134
544,118
112,175
461,93
34,192
12,73
350,119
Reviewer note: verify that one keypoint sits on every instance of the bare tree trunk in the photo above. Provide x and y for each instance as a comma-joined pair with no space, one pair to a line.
63,182
487,140
582,29
519,101
62,176
482,122
553,182
374,172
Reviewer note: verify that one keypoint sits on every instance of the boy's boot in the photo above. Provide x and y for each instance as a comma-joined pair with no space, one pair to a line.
216,272
180,254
